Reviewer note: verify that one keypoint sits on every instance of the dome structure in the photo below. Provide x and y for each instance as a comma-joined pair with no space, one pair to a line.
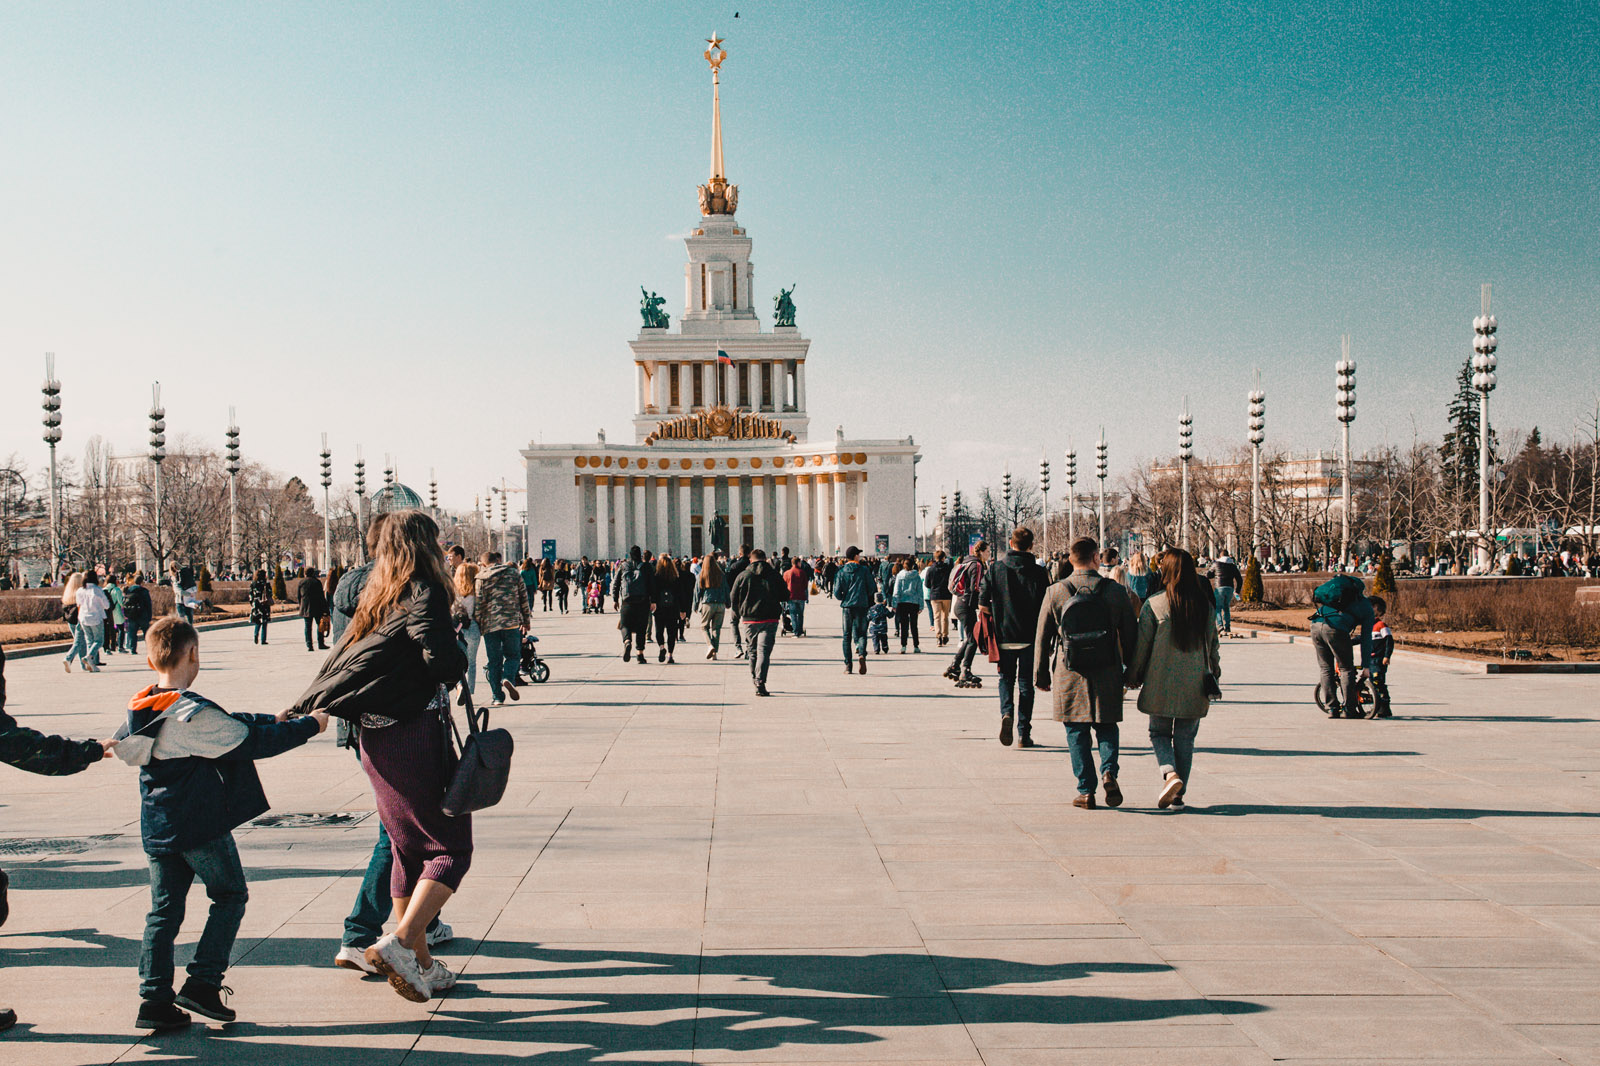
396,497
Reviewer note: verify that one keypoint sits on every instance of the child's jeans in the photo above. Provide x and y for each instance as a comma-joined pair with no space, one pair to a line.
880,642
216,863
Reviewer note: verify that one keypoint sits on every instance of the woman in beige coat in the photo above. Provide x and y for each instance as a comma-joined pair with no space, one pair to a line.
1177,648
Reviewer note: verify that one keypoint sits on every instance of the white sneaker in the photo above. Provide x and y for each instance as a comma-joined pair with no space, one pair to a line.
1171,790
399,964
711,653
439,977
350,958
440,934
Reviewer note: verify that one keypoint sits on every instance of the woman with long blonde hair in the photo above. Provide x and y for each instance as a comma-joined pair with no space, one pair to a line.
390,673
466,585
711,596
69,614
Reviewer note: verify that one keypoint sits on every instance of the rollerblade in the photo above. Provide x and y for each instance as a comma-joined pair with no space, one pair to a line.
970,681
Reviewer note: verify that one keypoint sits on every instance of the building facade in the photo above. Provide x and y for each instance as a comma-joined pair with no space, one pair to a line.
722,453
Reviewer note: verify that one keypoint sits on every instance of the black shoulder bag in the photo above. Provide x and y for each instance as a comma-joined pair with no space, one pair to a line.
483,766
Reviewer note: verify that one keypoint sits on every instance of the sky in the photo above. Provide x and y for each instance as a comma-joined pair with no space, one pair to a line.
422,228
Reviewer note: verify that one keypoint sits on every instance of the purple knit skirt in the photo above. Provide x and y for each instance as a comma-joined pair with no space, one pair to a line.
405,763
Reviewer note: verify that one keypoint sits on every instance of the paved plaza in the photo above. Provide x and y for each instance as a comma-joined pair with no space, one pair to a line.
856,871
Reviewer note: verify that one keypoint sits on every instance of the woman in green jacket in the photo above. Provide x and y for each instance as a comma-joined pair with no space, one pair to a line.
1177,648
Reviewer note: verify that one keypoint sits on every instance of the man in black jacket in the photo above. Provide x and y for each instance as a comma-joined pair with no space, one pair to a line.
731,574
635,596
757,596
1012,591
937,578
137,611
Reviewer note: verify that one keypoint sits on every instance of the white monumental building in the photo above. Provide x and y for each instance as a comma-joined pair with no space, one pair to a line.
721,452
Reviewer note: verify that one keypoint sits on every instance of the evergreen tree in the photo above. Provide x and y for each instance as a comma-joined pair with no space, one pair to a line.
1458,454
280,588
1383,581
1254,588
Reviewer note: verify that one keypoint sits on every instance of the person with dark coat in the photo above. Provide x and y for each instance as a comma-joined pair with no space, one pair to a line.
758,596
937,578
665,605
38,753
685,596
137,611
1012,591
732,572
260,607
855,590
634,596
313,609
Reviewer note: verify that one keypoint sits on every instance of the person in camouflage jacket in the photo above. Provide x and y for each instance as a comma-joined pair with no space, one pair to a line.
502,616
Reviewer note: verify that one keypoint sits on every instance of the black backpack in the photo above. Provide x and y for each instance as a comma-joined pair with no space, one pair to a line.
635,586
1088,632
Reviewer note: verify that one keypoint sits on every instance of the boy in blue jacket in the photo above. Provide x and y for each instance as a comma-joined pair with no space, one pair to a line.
197,783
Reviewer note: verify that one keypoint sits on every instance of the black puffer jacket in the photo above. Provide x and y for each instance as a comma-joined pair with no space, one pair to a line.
396,669
1013,589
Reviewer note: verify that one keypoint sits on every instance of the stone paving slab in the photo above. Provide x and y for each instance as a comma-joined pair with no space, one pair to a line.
856,871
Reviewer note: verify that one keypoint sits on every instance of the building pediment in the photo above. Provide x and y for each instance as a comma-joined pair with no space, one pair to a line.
720,423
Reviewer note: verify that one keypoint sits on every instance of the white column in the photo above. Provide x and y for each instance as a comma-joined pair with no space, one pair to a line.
821,498
641,535
710,512
800,385
602,517
841,516
865,531
802,492
758,504
685,509
708,381
658,378
665,534
780,491
735,514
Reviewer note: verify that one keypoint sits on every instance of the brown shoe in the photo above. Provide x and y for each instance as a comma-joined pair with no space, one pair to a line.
861,665
1113,793
1084,800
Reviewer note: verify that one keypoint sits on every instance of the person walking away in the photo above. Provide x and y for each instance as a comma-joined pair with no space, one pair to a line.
36,753
465,582
1227,583
937,578
79,647
733,570
313,604
1176,664
1139,579
197,783
878,625
1013,590
1382,652
392,674
666,608
260,607
502,614
137,611
89,605
563,581
853,587
799,585
683,593
908,604
111,643
547,583
1341,609
711,597
1087,634
966,582
634,598
757,597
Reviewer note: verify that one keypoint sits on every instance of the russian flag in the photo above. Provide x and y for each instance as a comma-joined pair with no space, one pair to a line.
724,358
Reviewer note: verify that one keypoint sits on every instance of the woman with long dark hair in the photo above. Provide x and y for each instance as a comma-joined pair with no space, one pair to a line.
390,673
711,596
666,608
1177,648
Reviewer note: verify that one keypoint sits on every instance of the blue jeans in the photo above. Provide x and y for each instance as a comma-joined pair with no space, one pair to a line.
1079,743
130,637
216,863
797,616
1224,598
373,905
471,637
758,641
855,631
1172,740
1016,686
85,643
503,649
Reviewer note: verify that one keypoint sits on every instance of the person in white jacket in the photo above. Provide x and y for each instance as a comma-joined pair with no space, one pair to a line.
92,605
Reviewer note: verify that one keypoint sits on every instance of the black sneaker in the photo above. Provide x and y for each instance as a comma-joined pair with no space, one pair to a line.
1025,739
761,690
1005,730
8,1018
205,1000
160,1017
627,652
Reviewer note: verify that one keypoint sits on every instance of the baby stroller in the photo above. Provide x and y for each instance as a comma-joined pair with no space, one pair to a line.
533,667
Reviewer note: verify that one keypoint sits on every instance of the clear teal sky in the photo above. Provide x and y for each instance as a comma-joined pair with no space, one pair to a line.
423,227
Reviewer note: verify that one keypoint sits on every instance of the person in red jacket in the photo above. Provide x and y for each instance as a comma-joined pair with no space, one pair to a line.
799,583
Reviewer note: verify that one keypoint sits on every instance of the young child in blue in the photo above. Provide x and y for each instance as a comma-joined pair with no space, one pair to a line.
878,626
1382,652
197,783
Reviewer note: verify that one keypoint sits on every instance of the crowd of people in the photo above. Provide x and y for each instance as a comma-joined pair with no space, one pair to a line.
405,632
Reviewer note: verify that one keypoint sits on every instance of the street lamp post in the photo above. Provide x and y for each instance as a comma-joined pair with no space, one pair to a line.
433,492
1346,414
944,521
158,452
1044,492
232,459
961,526
1483,380
361,504
327,507
1005,495
488,516
1185,454
52,437
1100,473
1072,495
1258,434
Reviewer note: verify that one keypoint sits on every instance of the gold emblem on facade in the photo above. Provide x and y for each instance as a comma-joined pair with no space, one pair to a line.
720,422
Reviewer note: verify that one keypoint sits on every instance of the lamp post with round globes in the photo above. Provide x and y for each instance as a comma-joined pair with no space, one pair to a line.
1100,469
232,467
158,452
361,504
1185,454
1346,414
433,492
1044,492
1258,434
1484,328
944,510
327,507
957,544
1005,496
52,437
1072,495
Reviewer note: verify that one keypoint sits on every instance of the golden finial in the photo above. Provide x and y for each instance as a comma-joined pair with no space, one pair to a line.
716,53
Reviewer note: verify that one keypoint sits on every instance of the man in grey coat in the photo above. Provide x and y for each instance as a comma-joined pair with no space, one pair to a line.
1089,703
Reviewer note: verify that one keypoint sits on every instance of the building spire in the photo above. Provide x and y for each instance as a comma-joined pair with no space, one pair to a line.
717,197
